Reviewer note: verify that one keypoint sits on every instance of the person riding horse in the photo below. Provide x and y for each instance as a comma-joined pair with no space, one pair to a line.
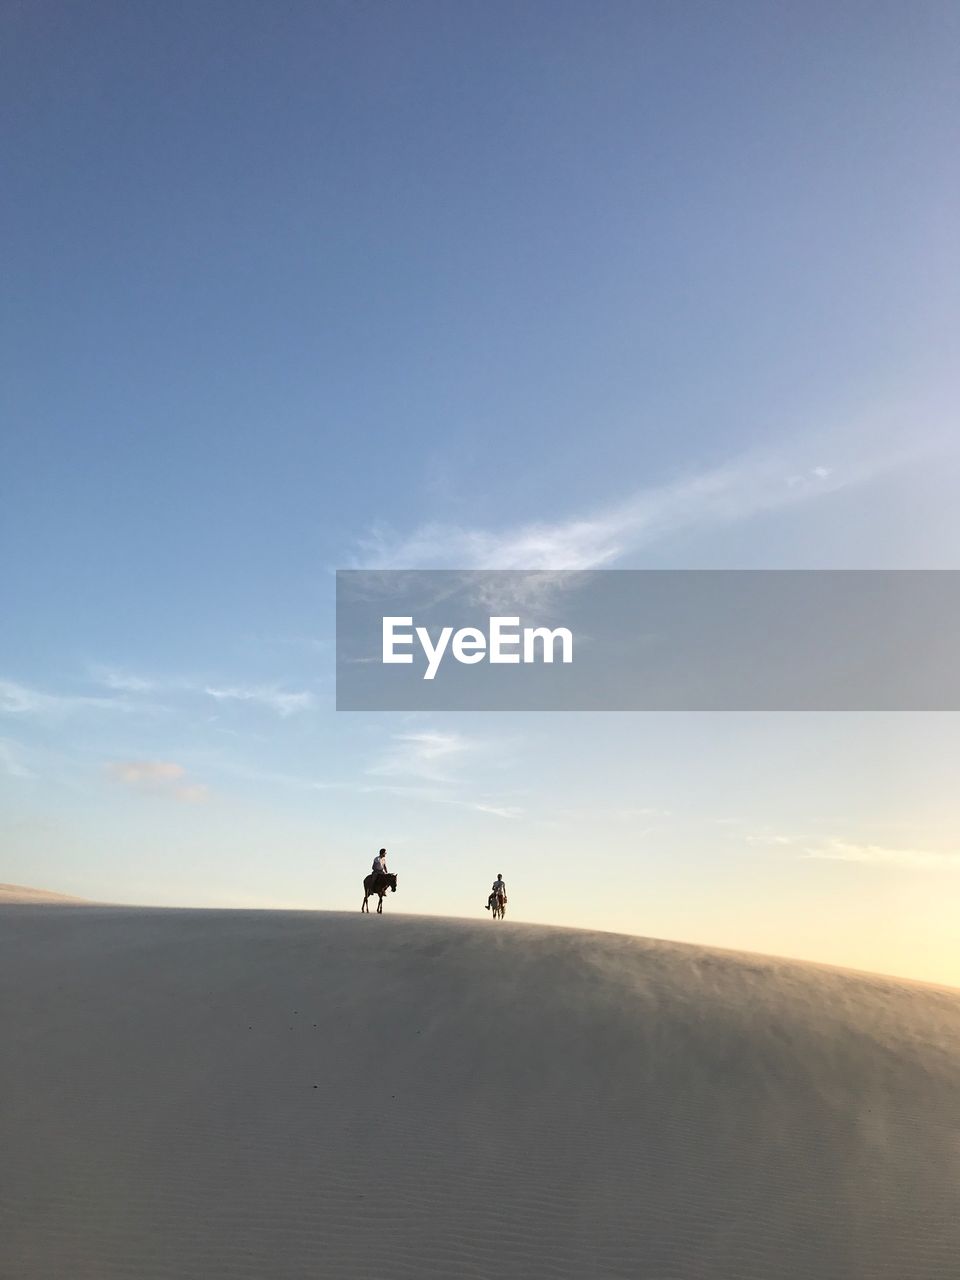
499,890
380,866
378,882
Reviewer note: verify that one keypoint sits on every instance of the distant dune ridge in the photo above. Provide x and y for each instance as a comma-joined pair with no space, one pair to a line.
21,893
286,1095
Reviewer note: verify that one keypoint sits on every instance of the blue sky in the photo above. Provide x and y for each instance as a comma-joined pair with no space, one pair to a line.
295,287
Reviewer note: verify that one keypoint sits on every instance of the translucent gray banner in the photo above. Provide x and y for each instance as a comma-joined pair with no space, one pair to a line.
648,640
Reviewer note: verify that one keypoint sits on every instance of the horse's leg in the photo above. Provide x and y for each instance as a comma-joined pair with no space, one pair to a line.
363,905
380,906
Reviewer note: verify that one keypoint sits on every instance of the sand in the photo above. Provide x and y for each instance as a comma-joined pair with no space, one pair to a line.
291,1094
21,893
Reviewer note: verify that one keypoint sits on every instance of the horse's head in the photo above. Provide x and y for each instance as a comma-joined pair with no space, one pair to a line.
393,882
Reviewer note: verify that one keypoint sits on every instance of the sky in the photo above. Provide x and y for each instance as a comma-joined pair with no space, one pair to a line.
297,287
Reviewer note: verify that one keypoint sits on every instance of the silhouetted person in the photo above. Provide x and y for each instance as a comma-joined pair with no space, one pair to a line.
499,886
380,865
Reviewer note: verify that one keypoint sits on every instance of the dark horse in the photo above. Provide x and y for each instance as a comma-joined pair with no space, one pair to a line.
378,882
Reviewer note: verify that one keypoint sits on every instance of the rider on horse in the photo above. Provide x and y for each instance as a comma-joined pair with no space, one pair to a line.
499,890
378,882
380,866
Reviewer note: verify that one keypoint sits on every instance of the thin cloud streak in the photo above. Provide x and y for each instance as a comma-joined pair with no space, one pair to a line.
22,700
11,763
122,681
158,777
434,795
137,772
278,700
881,856
835,850
722,496
193,793
431,757
423,754
284,702
413,791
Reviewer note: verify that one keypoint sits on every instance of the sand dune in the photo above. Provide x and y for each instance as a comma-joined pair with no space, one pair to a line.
285,1094
21,893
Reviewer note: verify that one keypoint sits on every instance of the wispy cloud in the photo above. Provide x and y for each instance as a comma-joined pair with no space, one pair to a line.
123,681
880,855
429,789
497,810
427,765
22,700
809,479
723,495
425,754
835,850
163,777
439,795
272,777
281,701
305,643
567,814
148,772
193,793
11,762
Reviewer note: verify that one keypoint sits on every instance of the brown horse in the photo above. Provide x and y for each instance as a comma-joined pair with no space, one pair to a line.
378,882
499,903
